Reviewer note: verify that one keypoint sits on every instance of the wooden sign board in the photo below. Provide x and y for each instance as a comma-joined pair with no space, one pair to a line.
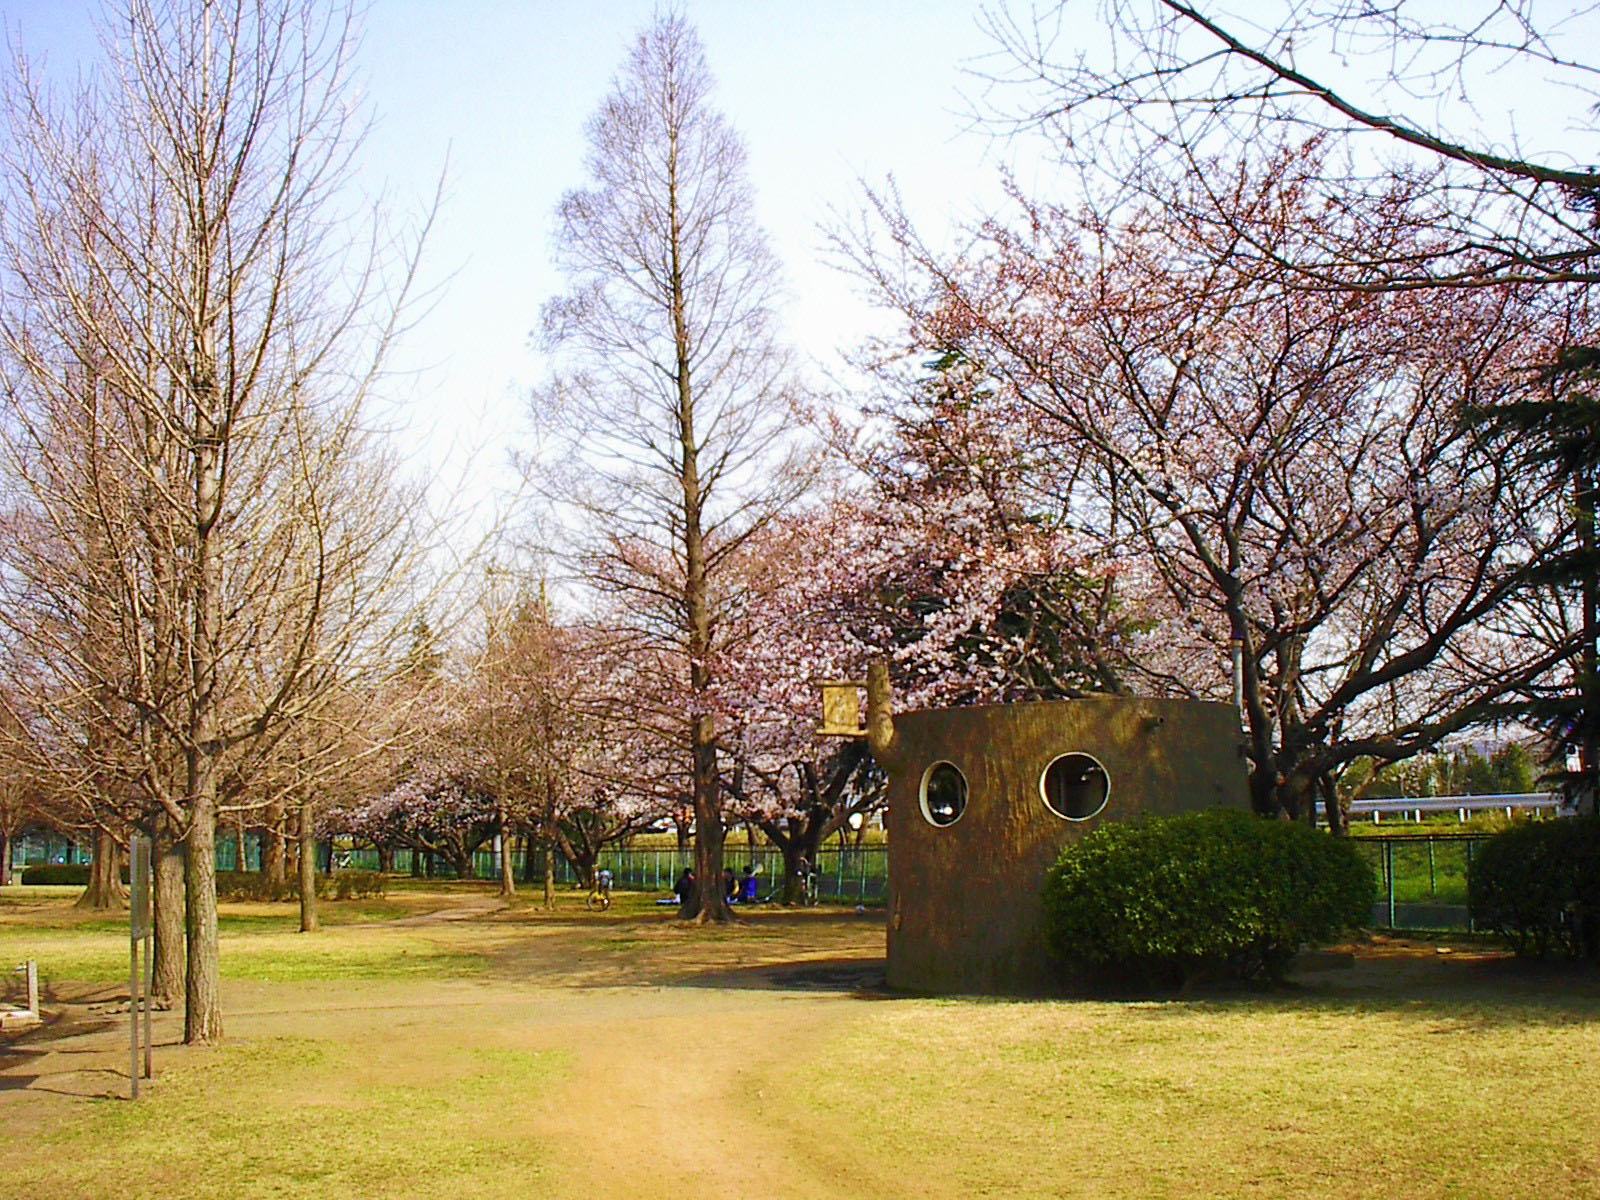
138,887
841,708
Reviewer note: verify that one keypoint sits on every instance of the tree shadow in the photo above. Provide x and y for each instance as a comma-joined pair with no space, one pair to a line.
861,978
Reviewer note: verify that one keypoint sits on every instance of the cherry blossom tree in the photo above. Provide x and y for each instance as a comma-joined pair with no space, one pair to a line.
1424,93
437,808
1290,472
935,555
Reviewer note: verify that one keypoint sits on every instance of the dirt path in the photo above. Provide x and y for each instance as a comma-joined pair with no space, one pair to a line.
462,908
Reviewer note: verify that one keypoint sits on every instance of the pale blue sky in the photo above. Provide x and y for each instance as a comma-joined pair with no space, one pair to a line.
823,92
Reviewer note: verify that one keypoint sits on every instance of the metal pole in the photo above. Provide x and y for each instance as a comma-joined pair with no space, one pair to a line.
133,1017
1433,886
139,929
1472,924
149,990
1388,871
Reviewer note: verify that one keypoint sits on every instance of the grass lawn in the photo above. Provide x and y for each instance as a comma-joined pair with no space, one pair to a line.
306,1116
260,941
518,1052
1271,1097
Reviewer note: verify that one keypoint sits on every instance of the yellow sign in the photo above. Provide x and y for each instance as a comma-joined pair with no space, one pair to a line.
841,708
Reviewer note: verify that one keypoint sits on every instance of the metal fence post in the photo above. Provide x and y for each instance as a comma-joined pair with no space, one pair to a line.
1472,925
1388,875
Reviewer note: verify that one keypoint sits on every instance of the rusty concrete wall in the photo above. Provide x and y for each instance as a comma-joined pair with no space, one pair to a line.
964,907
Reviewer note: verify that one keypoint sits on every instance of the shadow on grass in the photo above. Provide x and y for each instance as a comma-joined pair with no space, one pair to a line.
1470,986
1446,994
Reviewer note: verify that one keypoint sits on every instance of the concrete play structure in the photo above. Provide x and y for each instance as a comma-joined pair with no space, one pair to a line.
983,799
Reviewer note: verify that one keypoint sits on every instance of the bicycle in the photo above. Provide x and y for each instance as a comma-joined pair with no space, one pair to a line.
810,877
599,898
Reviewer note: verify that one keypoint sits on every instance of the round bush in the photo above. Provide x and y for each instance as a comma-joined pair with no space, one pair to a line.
1219,893
1538,886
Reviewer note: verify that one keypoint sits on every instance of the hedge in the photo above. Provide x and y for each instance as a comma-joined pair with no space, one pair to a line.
342,885
57,873
1222,893
1538,886
236,885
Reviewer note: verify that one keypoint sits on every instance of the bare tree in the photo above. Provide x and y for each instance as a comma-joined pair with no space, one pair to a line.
178,259
671,392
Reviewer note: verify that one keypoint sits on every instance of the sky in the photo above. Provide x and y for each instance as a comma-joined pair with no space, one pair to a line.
493,95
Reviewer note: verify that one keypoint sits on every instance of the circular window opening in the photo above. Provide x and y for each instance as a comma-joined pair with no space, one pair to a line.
1075,786
944,794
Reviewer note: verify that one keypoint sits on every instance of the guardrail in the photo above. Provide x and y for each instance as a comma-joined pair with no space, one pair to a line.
1509,802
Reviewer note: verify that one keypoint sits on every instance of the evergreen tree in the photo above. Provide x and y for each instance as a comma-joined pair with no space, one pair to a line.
1557,428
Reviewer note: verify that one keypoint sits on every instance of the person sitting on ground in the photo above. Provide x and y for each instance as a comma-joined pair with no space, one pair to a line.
730,885
748,885
684,889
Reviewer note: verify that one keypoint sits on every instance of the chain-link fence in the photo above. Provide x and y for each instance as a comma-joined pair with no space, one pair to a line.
1422,878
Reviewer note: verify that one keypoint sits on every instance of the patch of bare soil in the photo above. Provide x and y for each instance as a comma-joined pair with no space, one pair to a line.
1456,969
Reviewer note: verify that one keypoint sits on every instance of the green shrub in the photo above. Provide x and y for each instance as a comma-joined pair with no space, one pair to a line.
1538,886
252,885
342,885
1223,893
357,885
56,873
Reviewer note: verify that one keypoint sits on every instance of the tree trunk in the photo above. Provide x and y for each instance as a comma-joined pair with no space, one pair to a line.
202,992
385,858
1589,663
585,862
527,857
167,855
508,879
416,863
461,860
274,867
202,1023
105,888
1332,810
793,885
308,871
5,859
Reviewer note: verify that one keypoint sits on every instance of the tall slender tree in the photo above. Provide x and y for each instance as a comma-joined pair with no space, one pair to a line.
671,390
